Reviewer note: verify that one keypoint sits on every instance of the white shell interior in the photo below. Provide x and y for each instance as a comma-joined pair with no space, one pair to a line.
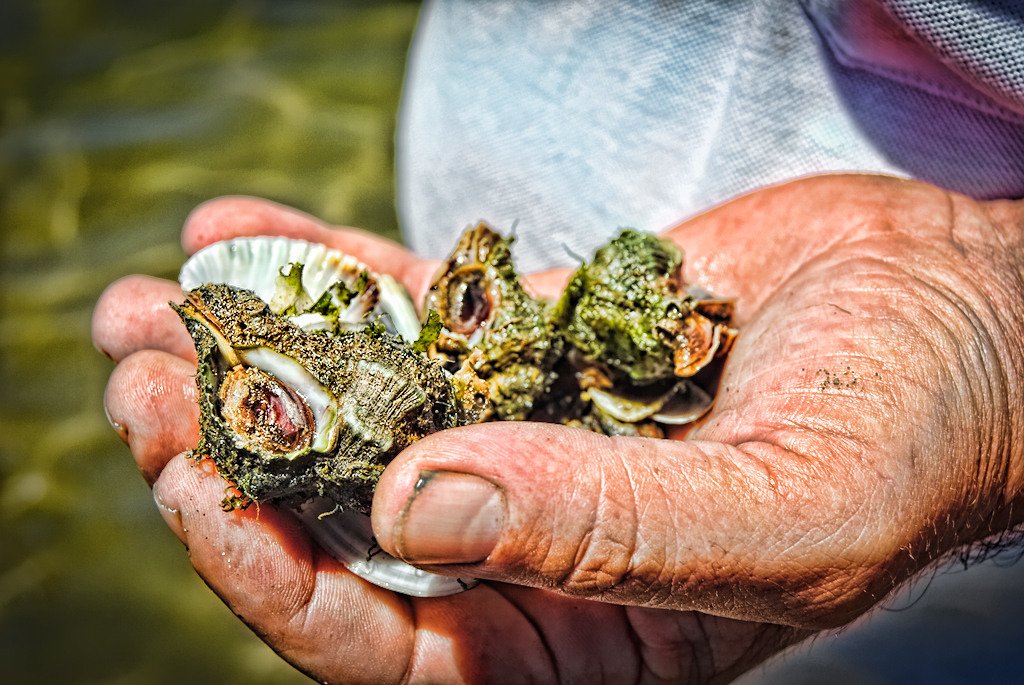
254,264
348,537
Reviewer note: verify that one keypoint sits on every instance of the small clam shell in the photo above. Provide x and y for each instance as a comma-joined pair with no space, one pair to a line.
254,264
680,404
626,402
699,339
348,537
626,409
688,404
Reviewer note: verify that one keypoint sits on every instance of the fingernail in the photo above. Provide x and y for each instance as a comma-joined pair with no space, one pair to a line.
451,518
169,509
121,431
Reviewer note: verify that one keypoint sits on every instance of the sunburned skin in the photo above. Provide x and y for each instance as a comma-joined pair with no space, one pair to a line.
792,508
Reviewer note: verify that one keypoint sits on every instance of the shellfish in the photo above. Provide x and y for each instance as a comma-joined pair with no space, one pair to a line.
287,415
306,412
637,334
492,327
305,397
629,311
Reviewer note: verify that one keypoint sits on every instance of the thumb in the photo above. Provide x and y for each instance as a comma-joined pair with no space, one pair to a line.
682,525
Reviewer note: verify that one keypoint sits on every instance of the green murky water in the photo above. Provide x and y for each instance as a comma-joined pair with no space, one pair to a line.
118,118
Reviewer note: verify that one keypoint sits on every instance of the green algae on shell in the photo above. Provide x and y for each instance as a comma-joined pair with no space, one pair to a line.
492,324
288,415
630,311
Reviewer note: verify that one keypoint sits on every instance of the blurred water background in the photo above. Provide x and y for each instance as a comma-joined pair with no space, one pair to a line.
119,117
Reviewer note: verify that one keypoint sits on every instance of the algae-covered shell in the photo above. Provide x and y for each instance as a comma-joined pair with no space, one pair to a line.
255,263
491,323
310,421
290,443
630,311
288,415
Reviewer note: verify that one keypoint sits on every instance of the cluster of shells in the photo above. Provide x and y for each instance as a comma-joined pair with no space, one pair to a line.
314,372
617,354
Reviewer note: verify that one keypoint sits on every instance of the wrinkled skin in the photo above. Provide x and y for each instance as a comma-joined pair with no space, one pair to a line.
796,507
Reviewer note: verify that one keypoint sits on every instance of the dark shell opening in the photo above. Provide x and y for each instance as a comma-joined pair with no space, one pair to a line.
261,409
470,301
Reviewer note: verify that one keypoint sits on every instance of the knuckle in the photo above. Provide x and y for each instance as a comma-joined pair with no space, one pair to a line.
604,557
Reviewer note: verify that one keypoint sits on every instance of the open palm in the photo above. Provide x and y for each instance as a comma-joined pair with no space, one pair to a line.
868,422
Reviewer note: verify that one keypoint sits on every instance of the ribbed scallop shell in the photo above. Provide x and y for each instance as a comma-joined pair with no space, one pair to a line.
254,264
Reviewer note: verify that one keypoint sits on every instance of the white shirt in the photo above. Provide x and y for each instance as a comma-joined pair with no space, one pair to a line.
577,118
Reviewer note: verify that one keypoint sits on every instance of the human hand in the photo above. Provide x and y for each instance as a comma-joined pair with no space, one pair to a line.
308,607
867,423
705,547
